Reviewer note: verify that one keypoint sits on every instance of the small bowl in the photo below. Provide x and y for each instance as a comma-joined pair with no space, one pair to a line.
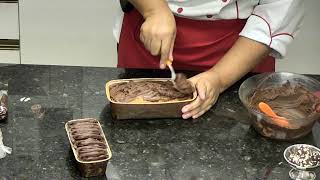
301,172
289,150
263,123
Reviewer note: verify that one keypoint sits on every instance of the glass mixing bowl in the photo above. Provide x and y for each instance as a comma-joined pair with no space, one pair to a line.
261,122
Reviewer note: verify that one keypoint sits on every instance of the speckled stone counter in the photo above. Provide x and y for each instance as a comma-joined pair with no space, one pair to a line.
221,145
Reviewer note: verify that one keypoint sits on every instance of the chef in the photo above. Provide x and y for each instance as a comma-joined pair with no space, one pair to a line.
224,39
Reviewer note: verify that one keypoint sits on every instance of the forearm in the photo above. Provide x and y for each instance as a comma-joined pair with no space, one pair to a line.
147,7
239,60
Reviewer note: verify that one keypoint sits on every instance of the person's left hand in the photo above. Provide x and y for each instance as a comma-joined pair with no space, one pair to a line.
208,86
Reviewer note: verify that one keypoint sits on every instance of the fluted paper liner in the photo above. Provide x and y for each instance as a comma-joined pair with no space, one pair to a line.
90,168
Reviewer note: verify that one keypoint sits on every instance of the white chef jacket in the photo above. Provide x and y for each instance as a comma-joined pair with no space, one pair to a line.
274,23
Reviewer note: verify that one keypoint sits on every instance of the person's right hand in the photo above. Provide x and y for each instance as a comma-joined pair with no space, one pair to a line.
158,34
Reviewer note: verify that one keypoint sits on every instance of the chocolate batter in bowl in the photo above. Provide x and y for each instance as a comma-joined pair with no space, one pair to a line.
291,96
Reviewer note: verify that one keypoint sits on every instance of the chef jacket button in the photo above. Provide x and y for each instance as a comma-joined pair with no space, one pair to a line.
179,10
209,16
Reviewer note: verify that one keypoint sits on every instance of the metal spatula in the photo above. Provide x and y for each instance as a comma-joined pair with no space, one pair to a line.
173,73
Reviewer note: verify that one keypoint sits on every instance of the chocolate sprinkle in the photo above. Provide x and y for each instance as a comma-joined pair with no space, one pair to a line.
303,156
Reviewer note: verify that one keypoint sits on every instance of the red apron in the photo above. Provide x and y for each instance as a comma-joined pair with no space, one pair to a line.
198,46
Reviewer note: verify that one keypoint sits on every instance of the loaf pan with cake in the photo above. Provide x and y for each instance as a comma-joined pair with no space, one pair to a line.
159,99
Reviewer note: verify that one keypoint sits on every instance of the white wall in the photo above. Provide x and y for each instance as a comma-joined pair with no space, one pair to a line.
67,32
304,53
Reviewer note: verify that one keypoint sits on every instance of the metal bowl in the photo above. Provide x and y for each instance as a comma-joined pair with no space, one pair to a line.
289,151
263,123
298,171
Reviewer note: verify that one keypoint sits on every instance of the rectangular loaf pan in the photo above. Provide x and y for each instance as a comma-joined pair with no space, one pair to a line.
150,110
90,168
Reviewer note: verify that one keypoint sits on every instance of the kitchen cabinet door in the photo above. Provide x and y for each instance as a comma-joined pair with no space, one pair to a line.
9,24
68,32
9,56
9,32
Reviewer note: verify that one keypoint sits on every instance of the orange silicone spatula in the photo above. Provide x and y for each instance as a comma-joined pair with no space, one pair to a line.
278,120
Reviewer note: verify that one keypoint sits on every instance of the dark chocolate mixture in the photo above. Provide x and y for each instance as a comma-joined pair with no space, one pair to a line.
152,91
88,141
293,102
183,85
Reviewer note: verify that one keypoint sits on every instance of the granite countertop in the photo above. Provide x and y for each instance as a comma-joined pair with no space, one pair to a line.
221,145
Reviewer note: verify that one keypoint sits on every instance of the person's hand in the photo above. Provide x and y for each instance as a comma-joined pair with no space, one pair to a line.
208,86
158,33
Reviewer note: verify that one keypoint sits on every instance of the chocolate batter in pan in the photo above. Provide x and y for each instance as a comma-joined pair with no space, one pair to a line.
152,91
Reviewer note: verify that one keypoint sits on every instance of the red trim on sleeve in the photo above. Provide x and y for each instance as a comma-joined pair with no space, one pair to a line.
237,9
264,21
281,34
268,26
